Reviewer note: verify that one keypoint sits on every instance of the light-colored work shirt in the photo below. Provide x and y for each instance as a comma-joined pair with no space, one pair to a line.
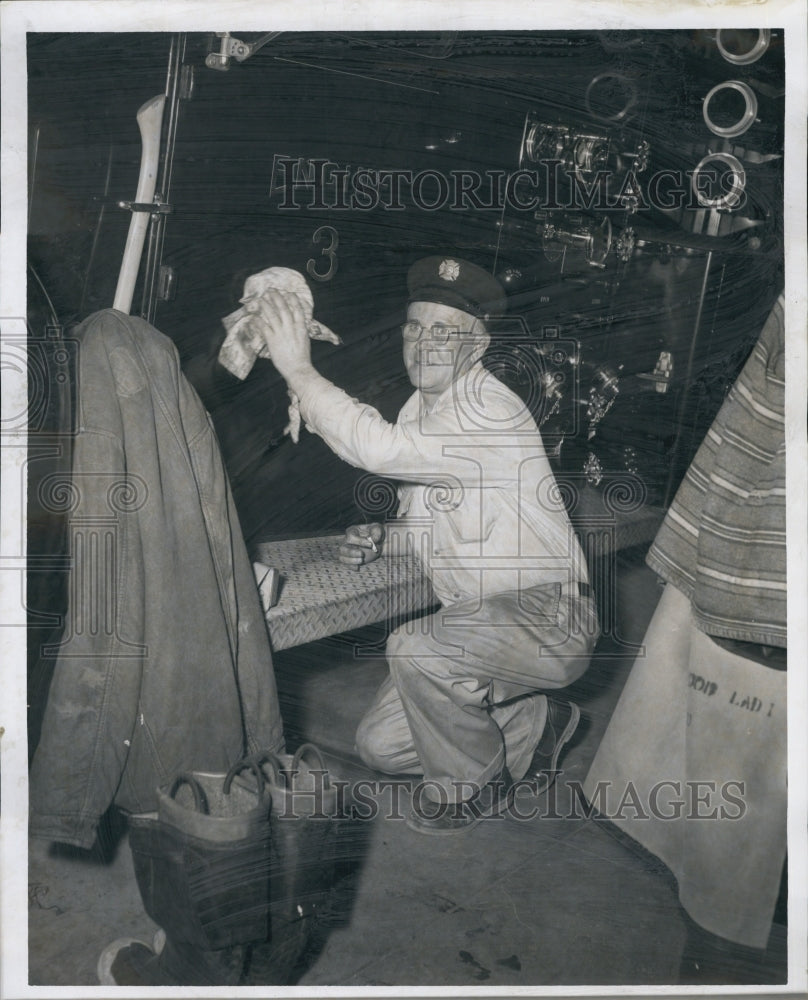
477,496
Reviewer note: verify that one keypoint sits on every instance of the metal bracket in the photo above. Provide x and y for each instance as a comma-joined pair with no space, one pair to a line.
234,48
157,207
661,376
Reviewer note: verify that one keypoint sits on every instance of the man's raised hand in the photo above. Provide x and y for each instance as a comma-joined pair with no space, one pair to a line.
281,323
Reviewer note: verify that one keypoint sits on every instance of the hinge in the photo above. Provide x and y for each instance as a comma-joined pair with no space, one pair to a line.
187,82
166,283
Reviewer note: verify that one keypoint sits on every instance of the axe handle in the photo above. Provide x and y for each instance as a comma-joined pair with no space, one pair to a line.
150,121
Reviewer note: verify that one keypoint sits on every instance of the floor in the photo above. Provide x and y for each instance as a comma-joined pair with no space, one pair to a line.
556,900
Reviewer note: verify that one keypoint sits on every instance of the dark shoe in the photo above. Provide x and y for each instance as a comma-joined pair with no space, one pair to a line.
124,963
128,962
440,818
562,721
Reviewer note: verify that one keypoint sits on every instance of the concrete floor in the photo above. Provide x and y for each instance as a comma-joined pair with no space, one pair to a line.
543,902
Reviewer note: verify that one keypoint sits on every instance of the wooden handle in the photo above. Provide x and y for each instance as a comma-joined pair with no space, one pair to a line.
150,121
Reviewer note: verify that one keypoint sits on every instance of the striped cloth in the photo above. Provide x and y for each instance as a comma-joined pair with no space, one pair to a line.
723,540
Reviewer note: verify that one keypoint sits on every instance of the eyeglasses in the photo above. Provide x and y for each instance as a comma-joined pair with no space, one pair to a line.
438,333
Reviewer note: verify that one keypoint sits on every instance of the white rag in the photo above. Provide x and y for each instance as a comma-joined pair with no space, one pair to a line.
242,346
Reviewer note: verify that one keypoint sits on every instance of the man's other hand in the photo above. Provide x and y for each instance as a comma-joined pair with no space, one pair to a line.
280,321
362,544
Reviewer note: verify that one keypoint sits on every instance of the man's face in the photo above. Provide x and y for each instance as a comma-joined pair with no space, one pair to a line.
433,366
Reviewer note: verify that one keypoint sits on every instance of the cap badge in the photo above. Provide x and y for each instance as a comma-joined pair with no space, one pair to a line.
449,270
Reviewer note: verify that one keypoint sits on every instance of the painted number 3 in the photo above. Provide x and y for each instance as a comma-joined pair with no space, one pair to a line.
330,251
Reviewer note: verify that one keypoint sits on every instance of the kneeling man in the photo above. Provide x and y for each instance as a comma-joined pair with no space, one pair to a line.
464,703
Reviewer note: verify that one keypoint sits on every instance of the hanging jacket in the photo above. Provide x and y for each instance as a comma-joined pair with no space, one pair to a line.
164,663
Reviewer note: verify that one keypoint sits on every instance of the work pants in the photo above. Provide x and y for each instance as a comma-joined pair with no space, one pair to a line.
463,699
